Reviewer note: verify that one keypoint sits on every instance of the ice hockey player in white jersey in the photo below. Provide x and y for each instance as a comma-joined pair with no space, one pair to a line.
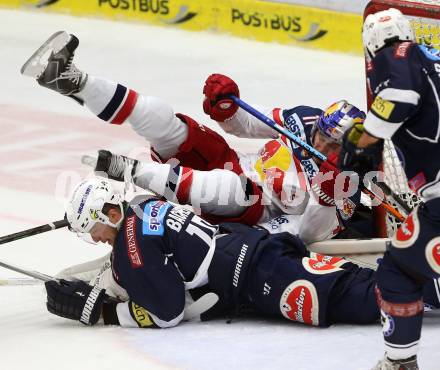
199,167
404,81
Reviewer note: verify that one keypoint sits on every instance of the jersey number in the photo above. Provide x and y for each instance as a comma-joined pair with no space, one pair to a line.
202,229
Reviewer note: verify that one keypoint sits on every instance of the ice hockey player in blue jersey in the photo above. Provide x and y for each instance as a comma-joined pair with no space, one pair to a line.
404,81
163,253
164,257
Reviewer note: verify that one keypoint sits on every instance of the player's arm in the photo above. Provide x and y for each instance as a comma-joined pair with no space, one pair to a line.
228,115
79,301
396,93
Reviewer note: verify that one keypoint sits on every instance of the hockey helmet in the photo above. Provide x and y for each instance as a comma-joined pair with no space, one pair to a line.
384,27
337,119
84,208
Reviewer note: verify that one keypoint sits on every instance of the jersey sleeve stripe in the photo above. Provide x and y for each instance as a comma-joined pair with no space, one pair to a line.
277,116
402,96
114,104
185,182
379,127
126,108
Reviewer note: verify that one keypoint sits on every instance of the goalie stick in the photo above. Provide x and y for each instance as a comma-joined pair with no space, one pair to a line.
271,123
34,231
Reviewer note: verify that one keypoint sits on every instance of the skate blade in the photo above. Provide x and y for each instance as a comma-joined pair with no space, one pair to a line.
37,63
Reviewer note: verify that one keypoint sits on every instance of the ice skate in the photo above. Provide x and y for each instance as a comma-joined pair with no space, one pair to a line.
52,64
114,165
407,364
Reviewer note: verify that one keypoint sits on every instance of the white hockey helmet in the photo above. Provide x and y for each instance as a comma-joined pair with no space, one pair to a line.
84,208
337,119
384,27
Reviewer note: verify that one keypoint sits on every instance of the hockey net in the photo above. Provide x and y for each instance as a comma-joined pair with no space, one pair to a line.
424,16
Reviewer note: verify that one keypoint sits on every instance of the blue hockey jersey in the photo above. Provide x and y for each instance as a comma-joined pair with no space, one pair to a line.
405,84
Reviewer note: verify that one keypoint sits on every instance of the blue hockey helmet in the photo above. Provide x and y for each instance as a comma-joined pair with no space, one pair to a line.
337,119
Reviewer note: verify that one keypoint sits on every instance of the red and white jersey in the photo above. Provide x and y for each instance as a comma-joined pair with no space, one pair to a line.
282,176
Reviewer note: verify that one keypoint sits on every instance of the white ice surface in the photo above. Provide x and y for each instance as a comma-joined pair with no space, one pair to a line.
43,135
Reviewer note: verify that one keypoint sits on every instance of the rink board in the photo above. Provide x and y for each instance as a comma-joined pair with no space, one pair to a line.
259,20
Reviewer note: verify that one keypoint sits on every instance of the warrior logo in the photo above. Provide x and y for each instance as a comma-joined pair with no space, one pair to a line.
299,302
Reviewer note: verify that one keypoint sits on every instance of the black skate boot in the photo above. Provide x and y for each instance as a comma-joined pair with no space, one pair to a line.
52,65
113,165
407,364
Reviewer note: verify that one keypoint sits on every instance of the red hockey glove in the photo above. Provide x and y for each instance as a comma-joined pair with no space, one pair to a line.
217,104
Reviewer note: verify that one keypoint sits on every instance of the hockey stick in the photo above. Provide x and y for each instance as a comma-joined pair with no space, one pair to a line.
34,231
34,274
310,149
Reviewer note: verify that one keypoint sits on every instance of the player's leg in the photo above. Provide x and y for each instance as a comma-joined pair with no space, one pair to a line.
313,289
177,136
149,116
410,264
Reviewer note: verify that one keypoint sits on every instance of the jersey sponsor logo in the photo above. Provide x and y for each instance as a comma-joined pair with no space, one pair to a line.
140,315
299,302
276,222
154,213
310,167
275,159
134,254
383,108
318,267
432,253
408,232
330,260
294,124
401,50
431,53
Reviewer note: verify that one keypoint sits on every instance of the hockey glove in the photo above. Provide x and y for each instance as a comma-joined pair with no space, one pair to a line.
217,103
75,300
114,165
360,160
335,191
